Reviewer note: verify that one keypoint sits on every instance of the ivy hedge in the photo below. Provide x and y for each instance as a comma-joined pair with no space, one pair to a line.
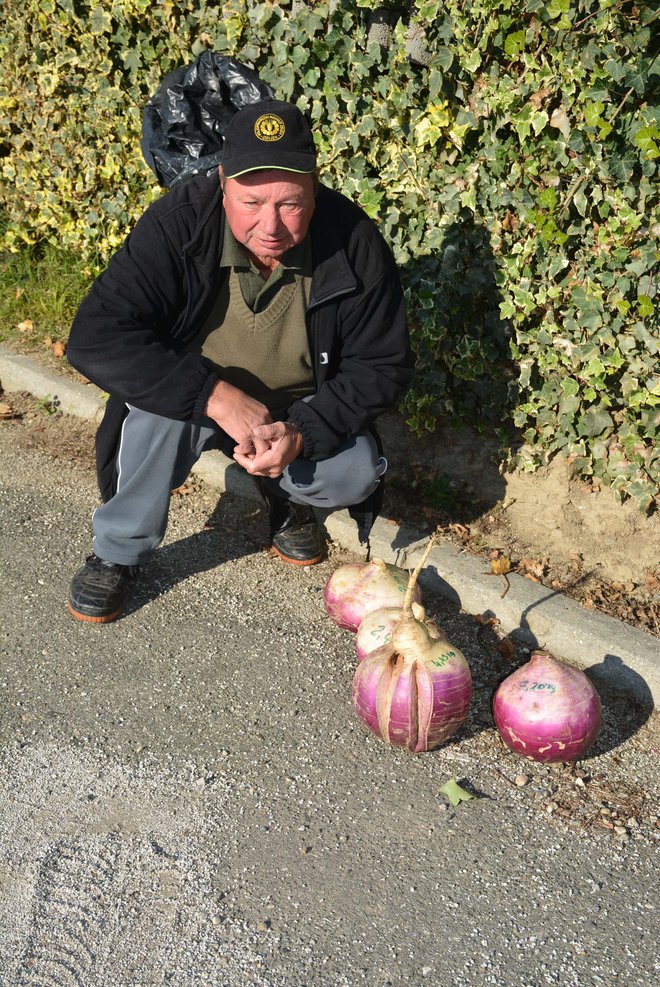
509,153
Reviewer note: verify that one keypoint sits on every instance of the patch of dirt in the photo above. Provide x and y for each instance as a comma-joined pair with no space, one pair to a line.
547,526
40,426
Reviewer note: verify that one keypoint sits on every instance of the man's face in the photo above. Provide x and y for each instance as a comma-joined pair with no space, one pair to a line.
269,211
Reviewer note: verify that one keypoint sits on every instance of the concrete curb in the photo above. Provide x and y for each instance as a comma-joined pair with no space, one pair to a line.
614,654
22,373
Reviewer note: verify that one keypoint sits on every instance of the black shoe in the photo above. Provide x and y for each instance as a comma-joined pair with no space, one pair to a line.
294,533
99,590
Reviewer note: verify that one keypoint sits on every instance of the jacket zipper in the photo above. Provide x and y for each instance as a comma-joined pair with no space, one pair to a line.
313,348
180,328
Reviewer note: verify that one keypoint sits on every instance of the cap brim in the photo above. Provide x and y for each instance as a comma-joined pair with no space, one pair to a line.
245,171
241,164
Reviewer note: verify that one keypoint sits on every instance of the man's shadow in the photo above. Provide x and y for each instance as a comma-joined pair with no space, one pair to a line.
236,527
449,450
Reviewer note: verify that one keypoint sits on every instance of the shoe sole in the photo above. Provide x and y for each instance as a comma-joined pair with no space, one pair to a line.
105,619
317,558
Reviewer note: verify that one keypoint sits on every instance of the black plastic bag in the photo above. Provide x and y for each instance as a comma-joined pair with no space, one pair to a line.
184,123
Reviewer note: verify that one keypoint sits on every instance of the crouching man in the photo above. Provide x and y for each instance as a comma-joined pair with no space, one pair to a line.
255,311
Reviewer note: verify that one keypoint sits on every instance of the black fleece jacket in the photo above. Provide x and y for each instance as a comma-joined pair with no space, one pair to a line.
129,334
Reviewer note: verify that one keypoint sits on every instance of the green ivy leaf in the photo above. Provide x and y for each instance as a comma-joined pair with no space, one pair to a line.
428,10
132,60
548,199
645,306
616,70
472,61
557,8
570,386
514,43
443,58
558,264
370,201
622,166
592,112
646,140
596,421
539,121
100,21
642,492
636,77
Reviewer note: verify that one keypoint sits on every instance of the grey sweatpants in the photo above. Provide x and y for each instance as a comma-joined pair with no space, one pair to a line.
156,455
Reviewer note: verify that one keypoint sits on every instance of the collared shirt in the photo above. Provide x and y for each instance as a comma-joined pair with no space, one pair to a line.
257,292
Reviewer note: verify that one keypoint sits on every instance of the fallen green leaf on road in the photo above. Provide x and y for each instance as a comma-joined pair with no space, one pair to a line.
455,793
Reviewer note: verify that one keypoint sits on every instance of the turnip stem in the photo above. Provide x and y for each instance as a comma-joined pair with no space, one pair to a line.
414,576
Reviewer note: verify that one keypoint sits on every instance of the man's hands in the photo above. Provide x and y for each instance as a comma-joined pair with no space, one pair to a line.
285,443
238,415
263,447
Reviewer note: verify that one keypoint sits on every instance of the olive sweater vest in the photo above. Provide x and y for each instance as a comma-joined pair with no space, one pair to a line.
264,353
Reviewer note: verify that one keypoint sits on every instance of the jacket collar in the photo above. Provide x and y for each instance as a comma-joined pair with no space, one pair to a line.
332,272
205,244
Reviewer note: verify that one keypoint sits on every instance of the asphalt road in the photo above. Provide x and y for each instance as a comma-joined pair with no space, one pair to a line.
186,796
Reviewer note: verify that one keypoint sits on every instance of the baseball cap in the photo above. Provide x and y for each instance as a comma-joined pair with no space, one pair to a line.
268,134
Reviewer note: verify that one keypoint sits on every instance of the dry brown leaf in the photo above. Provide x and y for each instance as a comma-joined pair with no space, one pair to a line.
653,582
510,221
485,621
27,325
559,119
460,530
532,568
184,490
48,342
506,648
538,97
6,410
501,566
59,349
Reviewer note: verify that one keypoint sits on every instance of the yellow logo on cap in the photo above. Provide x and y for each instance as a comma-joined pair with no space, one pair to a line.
269,127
